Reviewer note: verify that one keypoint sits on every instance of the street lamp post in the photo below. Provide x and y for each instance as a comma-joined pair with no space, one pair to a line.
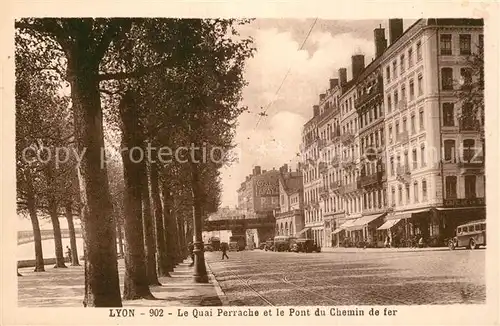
200,270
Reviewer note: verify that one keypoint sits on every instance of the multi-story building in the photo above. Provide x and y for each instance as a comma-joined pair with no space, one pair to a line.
259,195
435,180
290,215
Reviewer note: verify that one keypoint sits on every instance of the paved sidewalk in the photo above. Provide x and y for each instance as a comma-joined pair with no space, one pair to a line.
385,250
64,287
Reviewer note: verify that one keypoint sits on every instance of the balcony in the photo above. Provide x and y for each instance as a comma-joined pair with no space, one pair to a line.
323,192
476,162
374,91
349,188
322,167
348,162
335,185
347,138
371,179
403,173
464,202
402,104
402,137
469,125
321,143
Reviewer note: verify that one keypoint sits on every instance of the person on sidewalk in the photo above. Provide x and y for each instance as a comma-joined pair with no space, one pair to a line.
224,250
69,254
191,253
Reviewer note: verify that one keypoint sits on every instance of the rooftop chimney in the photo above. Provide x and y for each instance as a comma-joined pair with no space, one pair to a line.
343,76
316,110
256,170
395,29
334,83
380,41
358,64
322,97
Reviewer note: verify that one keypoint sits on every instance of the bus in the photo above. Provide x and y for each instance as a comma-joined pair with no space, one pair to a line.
471,235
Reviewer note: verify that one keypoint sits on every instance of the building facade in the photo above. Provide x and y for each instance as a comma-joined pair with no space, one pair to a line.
389,155
433,181
290,215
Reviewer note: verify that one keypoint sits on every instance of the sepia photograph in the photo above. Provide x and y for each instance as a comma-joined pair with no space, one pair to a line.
328,166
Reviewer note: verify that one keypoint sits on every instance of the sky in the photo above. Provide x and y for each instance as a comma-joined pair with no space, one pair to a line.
274,140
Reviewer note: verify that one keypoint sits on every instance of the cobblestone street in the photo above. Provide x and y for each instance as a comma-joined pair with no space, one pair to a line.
353,278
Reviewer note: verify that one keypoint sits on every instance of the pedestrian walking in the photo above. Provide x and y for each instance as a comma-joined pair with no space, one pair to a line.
191,253
224,251
69,254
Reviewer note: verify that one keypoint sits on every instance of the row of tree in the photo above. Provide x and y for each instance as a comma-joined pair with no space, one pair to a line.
103,91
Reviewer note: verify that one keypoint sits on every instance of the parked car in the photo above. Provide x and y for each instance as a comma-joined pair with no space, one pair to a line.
269,245
471,235
283,242
215,243
305,245
262,245
208,247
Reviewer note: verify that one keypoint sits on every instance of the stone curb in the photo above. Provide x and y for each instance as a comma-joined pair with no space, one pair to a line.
222,296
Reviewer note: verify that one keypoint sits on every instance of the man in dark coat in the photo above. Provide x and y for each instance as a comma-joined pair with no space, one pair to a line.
224,251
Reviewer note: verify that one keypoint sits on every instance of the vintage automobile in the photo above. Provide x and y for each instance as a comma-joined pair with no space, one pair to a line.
214,242
208,247
262,245
283,242
471,235
305,245
269,245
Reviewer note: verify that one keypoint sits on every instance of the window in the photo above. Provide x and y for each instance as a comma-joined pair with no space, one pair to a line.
397,128
477,227
395,68
389,104
388,73
445,44
403,91
404,125
392,166
422,156
400,195
412,122
424,190
419,50
447,79
448,115
402,63
410,57
396,98
451,187
420,85
421,119
465,44
470,186
414,157
412,90
449,150
390,134
469,151
470,228
415,191
481,43
407,190
393,196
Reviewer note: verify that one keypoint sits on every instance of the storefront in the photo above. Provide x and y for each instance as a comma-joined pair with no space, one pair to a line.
341,236
403,228
363,230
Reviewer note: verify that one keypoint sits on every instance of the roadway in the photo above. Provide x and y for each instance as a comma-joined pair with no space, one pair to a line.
256,278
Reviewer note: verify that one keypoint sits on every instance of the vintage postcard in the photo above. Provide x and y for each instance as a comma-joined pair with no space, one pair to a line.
250,162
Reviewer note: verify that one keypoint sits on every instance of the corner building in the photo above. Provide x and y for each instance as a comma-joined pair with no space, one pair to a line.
433,183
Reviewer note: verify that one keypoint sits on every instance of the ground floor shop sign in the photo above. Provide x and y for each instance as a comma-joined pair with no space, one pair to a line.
464,202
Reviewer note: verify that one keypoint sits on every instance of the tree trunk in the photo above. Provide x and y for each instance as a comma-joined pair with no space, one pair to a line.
200,270
120,237
72,236
54,218
37,236
167,225
177,244
136,278
102,283
161,247
180,241
149,232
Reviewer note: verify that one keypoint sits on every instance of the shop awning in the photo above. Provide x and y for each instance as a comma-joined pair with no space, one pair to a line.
407,214
362,221
389,224
344,226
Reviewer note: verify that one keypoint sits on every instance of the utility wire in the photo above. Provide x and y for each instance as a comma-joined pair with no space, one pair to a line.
286,75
